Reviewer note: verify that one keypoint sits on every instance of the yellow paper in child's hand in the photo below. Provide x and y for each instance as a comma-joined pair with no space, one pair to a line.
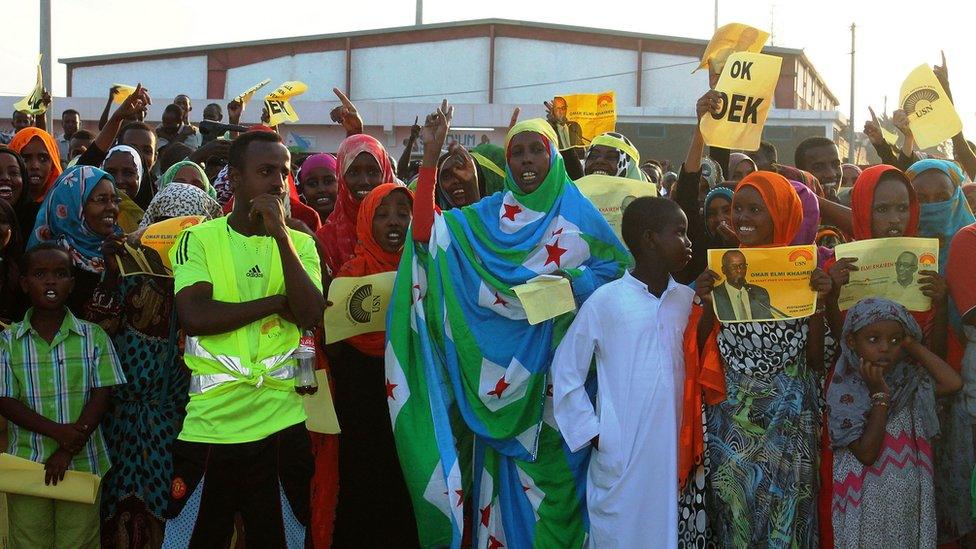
545,297
26,477
358,305
320,409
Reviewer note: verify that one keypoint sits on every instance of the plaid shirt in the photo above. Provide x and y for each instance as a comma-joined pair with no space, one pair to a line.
54,380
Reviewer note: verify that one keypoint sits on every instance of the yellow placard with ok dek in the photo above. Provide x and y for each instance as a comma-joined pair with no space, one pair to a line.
747,86
931,116
358,305
26,477
32,104
592,113
150,253
278,102
545,297
729,39
611,195
247,94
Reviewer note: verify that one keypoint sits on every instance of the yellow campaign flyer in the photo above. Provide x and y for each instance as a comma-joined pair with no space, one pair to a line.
25,477
120,92
888,268
611,195
247,94
279,105
931,116
581,117
32,104
545,297
747,85
358,305
320,408
763,284
729,39
148,252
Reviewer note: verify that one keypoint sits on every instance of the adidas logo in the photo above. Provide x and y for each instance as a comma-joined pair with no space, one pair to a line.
255,272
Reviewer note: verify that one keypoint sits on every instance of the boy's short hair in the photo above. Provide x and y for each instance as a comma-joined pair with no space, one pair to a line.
768,150
800,155
238,148
647,213
83,134
134,125
43,246
70,112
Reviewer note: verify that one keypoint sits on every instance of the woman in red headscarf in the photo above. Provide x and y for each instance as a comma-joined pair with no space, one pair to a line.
40,153
761,384
370,481
362,165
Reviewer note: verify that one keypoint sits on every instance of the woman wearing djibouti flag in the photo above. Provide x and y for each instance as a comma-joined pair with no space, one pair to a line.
467,375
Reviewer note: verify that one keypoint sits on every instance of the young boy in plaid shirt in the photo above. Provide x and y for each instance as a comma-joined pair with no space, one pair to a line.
56,375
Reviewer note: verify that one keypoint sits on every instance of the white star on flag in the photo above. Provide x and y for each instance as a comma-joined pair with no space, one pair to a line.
562,248
499,387
436,491
396,384
440,235
532,492
513,215
505,305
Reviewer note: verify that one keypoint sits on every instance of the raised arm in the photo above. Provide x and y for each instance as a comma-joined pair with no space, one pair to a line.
129,108
403,164
433,133
102,120
346,114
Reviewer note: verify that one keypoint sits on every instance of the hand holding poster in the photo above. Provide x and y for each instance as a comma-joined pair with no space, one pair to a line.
931,116
579,118
33,104
26,477
247,94
888,268
279,105
358,305
763,284
150,253
611,195
747,85
729,39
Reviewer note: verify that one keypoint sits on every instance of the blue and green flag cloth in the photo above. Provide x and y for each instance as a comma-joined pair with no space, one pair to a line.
468,377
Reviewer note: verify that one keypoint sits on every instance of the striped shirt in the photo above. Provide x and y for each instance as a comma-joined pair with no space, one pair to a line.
54,380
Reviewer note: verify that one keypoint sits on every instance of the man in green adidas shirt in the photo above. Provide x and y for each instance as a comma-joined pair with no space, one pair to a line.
245,285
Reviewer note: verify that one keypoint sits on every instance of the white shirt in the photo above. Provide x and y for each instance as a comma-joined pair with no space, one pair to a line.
632,482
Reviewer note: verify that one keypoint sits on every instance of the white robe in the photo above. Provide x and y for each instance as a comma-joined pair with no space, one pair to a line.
632,482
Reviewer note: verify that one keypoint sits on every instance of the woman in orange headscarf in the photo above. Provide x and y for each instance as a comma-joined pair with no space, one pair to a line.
40,154
366,445
760,381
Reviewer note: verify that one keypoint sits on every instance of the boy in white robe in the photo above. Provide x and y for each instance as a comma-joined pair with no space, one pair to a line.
634,327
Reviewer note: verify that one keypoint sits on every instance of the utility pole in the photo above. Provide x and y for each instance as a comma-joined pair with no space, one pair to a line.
716,16
45,32
420,12
850,121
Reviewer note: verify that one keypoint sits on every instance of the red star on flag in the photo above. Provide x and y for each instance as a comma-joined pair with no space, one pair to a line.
493,543
486,515
557,231
499,387
460,495
499,300
511,210
419,295
549,390
389,389
555,252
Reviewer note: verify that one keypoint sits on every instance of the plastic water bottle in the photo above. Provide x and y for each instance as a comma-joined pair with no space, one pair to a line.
305,383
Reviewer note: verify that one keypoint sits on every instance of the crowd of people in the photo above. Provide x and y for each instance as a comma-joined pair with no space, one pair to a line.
641,420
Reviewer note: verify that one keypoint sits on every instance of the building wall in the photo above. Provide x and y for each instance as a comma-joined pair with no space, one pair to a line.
422,72
165,78
321,71
667,80
519,62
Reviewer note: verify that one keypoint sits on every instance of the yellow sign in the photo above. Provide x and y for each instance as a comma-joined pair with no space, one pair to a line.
747,85
32,103
545,297
279,105
731,38
611,195
150,253
763,284
888,268
320,409
247,94
931,116
358,305
587,116
120,92
25,477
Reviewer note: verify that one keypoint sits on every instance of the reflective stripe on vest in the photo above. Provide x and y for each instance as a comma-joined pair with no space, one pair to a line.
237,372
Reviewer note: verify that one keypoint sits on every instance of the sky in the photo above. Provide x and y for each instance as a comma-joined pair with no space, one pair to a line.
892,38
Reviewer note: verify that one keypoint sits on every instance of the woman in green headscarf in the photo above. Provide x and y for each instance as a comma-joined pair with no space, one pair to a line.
189,172
612,153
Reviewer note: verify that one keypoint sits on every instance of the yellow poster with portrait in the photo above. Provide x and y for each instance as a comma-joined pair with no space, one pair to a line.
763,284
729,39
931,115
148,252
359,305
587,115
611,195
279,105
747,85
889,268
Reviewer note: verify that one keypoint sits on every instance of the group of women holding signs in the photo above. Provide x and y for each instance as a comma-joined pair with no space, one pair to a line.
644,418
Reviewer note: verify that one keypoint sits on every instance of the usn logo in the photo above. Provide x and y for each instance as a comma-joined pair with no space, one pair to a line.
363,304
920,101
927,259
800,257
